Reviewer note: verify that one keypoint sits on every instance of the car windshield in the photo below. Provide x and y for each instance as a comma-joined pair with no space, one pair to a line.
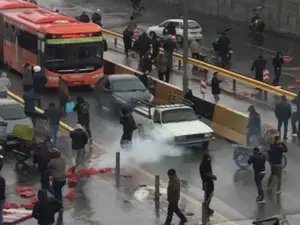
127,85
178,115
193,25
11,112
80,57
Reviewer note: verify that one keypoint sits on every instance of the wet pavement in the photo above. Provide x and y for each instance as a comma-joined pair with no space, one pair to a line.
116,15
235,190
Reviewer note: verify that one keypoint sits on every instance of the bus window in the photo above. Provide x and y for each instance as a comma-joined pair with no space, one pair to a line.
28,41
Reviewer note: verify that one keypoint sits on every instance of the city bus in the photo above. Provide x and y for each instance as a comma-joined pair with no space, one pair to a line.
61,45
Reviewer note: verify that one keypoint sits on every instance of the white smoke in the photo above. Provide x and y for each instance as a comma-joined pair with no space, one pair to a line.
143,150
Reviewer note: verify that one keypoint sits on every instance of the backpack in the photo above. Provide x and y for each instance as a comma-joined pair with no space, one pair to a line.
84,108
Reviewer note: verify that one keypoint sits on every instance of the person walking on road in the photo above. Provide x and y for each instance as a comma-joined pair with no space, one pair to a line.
30,101
162,67
169,47
155,47
173,194
254,126
258,160
83,115
79,139
259,65
129,125
57,167
27,77
127,40
208,179
277,63
39,82
195,48
44,210
63,92
275,158
54,115
296,116
283,112
215,87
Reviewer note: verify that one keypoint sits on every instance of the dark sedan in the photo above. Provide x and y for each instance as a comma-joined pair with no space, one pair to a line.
118,90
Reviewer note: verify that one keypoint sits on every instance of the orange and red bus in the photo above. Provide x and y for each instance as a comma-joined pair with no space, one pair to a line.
60,44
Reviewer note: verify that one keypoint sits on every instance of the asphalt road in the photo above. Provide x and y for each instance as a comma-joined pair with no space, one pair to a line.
235,189
116,15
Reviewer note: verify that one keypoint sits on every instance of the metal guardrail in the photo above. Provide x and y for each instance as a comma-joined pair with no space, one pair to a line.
236,77
63,125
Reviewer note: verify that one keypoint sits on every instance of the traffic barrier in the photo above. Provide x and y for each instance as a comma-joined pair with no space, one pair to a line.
229,124
236,77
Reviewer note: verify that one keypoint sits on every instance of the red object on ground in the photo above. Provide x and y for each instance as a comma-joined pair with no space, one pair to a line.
106,170
83,172
15,216
71,194
70,172
28,205
34,199
72,180
291,87
27,194
296,70
22,189
11,205
93,171
298,81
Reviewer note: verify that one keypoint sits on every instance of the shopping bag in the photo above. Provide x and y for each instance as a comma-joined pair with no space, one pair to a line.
69,107
23,132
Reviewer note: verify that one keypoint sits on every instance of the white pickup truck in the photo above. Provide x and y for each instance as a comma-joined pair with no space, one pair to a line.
179,120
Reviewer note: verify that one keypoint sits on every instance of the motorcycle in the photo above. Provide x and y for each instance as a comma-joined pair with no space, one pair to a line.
257,25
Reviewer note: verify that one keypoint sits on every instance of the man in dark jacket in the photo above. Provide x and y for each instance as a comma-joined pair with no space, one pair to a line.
54,115
254,126
277,62
2,197
79,139
208,179
215,87
42,158
173,194
283,112
84,18
275,159
296,116
39,81
146,66
83,114
44,210
259,65
169,47
30,101
155,47
258,160
128,123
170,29
127,40
96,17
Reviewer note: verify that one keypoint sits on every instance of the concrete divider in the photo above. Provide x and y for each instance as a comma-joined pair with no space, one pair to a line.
229,124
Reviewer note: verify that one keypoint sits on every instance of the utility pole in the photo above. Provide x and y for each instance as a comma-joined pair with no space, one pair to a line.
185,80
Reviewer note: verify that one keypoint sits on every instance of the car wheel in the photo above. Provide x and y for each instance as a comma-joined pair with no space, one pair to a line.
152,34
179,39
205,145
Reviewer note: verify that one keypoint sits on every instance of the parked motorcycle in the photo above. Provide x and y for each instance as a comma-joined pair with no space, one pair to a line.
242,154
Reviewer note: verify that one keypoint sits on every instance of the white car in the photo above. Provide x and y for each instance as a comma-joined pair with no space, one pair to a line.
178,120
194,29
12,113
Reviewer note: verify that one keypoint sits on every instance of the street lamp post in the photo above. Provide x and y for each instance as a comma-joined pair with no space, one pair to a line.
185,80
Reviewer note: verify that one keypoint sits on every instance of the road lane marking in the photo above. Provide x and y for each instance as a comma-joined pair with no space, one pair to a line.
261,48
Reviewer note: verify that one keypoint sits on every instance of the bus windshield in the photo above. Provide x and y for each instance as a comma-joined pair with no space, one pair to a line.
76,58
